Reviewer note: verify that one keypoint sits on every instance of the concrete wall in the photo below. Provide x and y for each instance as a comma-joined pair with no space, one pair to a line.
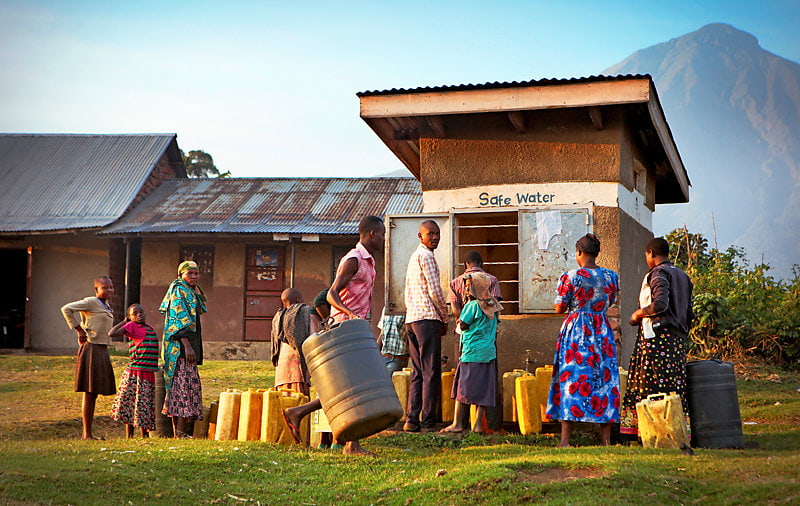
224,320
557,146
64,268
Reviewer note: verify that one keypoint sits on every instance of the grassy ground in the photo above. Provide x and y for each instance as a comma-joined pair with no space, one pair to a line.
43,461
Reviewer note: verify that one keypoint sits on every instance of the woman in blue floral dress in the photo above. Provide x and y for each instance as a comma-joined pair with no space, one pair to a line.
585,385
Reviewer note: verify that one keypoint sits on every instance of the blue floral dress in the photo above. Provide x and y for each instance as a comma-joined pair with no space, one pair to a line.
585,384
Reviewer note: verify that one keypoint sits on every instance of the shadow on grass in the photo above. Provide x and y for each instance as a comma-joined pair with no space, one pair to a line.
69,428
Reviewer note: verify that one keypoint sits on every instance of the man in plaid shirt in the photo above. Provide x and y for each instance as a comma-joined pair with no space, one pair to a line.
426,323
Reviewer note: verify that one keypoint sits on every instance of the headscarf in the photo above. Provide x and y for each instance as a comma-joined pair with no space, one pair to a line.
185,266
479,284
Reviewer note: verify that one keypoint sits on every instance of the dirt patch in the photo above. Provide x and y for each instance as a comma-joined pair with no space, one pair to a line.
557,474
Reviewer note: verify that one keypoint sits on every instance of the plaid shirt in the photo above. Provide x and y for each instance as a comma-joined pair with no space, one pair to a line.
424,297
393,335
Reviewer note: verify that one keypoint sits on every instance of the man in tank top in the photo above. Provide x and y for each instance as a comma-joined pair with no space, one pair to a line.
350,297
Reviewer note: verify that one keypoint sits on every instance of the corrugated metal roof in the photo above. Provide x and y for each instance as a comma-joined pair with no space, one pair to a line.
498,84
330,206
62,182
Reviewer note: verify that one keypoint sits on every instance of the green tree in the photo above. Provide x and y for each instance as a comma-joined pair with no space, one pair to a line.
740,310
198,163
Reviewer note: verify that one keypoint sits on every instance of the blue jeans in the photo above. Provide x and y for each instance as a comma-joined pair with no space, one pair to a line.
395,364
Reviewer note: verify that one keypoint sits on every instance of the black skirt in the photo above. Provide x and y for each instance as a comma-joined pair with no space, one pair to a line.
93,371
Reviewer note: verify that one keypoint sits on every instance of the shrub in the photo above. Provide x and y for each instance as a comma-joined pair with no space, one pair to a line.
740,310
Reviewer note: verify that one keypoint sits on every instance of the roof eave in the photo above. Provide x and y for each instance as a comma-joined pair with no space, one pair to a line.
384,111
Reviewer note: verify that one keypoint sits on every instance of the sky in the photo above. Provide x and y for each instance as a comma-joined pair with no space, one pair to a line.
269,88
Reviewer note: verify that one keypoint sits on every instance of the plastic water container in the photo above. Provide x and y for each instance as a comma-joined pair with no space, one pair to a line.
273,426
713,404
228,415
250,414
448,404
402,383
510,394
662,423
544,377
352,381
529,415
623,383
473,417
213,411
163,423
201,426
319,426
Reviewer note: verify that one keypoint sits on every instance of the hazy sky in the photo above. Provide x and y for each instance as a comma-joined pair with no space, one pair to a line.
268,88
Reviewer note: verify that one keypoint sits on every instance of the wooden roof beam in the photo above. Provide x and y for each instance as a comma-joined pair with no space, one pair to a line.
437,125
517,118
440,103
596,115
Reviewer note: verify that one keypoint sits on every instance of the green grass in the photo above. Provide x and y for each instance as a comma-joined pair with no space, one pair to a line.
42,460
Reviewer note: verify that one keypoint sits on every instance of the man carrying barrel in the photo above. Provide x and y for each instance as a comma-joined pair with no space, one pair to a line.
350,297
658,364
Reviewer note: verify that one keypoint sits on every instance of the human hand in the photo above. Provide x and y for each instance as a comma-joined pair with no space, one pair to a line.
82,337
636,318
191,357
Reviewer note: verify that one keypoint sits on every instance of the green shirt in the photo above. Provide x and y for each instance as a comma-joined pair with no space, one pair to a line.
478,341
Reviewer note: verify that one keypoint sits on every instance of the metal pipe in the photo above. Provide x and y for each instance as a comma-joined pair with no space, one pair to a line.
127,273
291,271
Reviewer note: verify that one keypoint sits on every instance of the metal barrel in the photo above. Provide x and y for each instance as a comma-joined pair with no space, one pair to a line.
352,381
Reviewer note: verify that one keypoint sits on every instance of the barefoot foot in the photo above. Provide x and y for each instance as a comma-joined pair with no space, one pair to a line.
353,448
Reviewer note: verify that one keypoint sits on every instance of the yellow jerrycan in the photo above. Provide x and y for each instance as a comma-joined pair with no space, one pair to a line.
250,414
201,426
510,394
623,383
662,423
473,417
529,415
228,415
544,376
448,404
319,425
213,411
402,382
273,426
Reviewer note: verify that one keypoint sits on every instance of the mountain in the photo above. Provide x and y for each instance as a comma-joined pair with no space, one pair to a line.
734,111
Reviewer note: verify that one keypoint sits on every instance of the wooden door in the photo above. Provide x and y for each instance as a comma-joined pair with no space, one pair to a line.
264,282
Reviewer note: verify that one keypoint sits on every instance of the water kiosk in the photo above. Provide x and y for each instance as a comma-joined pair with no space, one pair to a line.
519,171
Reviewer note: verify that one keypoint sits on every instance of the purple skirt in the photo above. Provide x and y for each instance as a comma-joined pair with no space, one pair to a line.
475,383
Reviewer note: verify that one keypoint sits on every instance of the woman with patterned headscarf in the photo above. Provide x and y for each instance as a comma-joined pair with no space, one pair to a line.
182,348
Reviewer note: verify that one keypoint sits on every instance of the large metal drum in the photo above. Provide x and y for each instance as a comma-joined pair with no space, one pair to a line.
353,384
713,404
